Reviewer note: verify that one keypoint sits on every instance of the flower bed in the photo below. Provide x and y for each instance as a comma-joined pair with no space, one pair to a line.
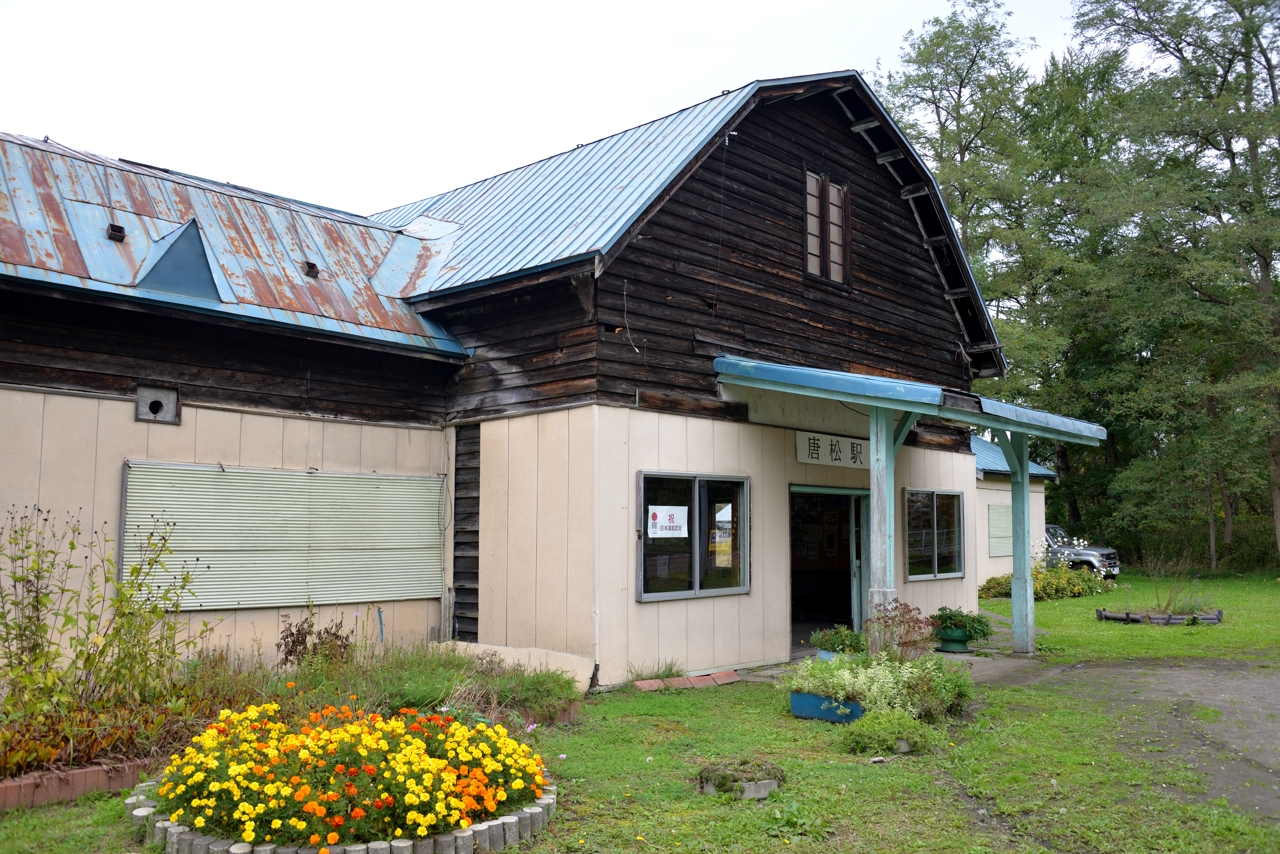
345,777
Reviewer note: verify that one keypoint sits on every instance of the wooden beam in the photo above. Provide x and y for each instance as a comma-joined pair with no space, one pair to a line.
912,190
984,348
865,125
452,296
936,240
905,423
889,156
584,285
957,293
691,404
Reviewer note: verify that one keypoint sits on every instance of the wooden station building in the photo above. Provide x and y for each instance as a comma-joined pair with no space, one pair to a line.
676,394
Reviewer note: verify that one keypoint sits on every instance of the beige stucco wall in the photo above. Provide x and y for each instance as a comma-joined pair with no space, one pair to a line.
549,481
995,490
66,452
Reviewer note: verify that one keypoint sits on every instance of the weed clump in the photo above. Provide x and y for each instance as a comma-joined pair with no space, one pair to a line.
728,775
880,732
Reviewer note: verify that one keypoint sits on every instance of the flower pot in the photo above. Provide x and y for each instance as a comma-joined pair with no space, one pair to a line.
953,640
818,708
825,655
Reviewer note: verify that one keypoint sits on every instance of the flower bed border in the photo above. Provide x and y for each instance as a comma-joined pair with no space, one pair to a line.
1159,619
531,821
55,787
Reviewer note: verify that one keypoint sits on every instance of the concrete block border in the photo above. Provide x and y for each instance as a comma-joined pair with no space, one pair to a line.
724,677
497,834
55,787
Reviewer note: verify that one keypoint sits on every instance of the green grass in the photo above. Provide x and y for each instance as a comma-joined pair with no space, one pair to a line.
1034,769
92,825
1249,627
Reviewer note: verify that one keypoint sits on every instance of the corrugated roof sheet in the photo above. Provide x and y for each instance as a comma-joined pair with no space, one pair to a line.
56,205
572,205
990,459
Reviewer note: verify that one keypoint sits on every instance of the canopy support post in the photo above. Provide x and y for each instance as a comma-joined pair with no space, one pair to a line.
1015,447
886,439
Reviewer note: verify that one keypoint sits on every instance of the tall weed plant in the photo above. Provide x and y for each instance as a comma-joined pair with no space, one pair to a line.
86,652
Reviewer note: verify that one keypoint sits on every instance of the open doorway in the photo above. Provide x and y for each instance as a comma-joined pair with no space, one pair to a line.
828,527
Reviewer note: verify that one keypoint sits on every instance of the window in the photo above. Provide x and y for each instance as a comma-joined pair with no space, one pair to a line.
999,530
824,227
693,536
935,535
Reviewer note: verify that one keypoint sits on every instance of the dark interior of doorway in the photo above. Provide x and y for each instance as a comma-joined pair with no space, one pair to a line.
821,528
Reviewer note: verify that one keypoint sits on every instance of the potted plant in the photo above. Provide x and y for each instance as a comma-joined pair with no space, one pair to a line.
838,640
955,629
824,690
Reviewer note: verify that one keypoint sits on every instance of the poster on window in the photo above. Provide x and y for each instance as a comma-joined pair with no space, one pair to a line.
668,521
823,450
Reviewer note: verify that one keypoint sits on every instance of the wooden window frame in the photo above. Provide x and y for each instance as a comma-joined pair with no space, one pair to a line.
697,536
824,227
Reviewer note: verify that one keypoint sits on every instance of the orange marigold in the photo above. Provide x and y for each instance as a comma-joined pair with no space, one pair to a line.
332,838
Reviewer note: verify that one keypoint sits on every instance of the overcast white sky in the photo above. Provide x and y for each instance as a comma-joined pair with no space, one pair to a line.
367,105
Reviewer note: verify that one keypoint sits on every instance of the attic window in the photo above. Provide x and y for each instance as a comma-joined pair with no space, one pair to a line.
824,227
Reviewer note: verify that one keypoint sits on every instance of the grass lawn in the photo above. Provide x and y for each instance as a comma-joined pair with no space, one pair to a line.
1249,627
1033,769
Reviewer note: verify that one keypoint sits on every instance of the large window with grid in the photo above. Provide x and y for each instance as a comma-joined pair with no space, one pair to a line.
824,227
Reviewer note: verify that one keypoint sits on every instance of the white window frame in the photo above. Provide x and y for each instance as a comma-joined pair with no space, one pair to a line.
906,532
695,525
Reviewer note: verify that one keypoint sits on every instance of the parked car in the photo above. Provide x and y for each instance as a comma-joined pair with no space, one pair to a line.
1061,547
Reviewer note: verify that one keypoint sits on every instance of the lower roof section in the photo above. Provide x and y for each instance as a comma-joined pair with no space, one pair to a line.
907,396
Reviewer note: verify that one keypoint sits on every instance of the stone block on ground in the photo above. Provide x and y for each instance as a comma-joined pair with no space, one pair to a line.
726,677
648,684
678,682
702,681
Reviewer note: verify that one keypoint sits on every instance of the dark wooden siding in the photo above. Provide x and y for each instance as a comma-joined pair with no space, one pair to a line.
533,349
466,533
711,273
69,344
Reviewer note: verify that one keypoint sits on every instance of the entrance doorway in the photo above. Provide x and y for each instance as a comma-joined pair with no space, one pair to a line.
828,586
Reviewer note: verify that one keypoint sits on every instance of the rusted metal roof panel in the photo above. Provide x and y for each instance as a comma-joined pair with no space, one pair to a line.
56,205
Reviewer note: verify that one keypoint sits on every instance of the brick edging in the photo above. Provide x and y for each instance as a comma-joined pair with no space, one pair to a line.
53,787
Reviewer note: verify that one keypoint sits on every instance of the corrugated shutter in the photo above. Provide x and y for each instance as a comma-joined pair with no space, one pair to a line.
999,530
283,538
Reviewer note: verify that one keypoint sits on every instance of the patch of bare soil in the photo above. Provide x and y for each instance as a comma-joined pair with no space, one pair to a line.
1220,717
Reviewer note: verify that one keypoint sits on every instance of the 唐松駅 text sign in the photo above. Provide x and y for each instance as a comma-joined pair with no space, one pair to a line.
823,450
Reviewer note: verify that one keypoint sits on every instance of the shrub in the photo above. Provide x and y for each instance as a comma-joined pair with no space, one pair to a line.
1058,582
344,776
928,688
899,631
87,657
977,625
878,733
301,642
839,639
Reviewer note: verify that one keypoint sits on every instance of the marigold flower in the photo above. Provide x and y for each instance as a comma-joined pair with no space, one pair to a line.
315,838
290,684
357,813
332,838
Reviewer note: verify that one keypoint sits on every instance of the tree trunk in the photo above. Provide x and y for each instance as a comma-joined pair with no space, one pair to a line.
1273,449
1064,469
1228,511
1213,541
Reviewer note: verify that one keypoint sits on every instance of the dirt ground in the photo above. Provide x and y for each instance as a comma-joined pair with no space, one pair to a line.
1223,717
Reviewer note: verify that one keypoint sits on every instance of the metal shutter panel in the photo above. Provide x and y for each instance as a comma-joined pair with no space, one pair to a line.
283,538
999,530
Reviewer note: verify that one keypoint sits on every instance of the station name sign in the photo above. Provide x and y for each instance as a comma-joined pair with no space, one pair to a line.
823,450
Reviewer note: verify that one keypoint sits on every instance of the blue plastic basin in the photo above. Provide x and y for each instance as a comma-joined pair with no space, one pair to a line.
825,655
811,706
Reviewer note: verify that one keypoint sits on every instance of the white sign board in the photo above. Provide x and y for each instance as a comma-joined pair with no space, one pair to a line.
823,450
668,521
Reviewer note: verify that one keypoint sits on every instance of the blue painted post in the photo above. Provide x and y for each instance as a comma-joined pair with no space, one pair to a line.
883,453
1015,447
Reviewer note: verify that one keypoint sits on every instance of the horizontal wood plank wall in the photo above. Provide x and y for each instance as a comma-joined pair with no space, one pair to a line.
533,349
713,272
62,343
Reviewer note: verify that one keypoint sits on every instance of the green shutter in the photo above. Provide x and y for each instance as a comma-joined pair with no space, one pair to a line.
999,530
259,538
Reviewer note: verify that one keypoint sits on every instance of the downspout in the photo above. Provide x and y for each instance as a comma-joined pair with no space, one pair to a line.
595,549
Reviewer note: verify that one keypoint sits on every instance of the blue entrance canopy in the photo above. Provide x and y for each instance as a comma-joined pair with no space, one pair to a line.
906,396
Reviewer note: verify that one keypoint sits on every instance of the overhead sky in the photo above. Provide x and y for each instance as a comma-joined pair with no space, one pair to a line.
366,105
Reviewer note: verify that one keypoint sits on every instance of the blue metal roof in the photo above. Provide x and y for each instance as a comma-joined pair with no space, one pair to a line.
990,459
905,395
573,205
